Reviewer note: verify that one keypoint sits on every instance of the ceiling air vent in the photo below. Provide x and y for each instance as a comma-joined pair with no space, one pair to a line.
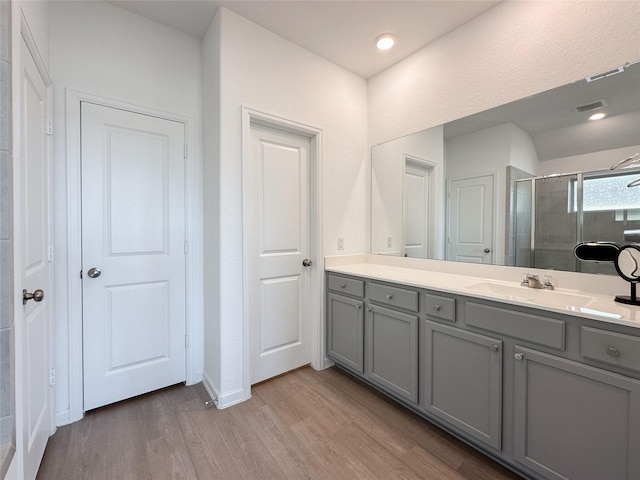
600,76
591,106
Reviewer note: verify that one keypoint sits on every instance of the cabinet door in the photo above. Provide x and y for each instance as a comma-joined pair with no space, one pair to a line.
391,346
345,333
462,378
573,421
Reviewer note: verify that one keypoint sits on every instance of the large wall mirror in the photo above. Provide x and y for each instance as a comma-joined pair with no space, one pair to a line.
520,184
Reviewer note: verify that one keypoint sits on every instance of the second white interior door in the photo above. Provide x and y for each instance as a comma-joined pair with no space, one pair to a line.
415,222
471,220
133,234
279,289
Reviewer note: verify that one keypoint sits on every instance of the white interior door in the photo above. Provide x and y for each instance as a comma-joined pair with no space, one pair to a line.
133,237
32,259
415,222
279,298
471,220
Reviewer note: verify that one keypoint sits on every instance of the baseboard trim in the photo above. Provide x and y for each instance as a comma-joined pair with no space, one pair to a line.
226,400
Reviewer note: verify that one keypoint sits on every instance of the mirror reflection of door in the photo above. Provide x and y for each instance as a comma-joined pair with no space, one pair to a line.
471,220
416,209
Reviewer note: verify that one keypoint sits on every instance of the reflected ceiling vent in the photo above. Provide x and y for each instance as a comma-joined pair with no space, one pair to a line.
600,76
591,106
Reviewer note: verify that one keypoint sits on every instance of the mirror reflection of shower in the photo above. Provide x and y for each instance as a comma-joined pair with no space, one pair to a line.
553,213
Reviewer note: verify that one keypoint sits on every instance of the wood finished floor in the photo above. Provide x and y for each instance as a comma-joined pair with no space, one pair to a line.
302,425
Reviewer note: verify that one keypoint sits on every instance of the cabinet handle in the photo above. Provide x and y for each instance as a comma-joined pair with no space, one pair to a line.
613,352
389,296
519,356
437,308
343,285
369,309
495,348
359,305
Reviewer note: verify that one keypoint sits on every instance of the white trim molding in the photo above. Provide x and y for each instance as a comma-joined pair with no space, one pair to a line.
317,331
194,260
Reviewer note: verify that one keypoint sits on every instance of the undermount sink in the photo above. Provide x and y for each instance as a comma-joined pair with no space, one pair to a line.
533,295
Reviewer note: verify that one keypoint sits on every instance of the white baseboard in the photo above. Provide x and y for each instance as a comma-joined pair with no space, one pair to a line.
226,400
63,418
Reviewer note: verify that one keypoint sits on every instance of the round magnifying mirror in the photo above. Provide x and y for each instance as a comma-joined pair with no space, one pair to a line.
628,263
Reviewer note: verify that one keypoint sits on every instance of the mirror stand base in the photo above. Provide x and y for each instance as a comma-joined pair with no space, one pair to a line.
631,299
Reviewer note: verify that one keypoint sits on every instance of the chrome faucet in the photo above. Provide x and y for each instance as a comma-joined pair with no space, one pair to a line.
531,281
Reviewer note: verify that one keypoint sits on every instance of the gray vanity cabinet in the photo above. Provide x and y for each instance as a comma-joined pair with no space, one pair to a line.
345,322
391,351
573,421
462,380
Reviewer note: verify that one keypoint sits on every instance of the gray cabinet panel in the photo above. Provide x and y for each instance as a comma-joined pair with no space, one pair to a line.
611,347
345,331
573,421
348,286
391,346
462,381
393,296
532,328
440,307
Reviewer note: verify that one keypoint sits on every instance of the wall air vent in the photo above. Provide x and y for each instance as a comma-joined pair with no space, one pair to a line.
600,76
591,106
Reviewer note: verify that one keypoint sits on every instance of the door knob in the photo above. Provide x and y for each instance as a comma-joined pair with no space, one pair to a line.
36,296
487,250
306,262
94,272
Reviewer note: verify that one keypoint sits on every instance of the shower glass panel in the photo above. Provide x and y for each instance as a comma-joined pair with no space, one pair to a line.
555,213
611,212
555,231
523,222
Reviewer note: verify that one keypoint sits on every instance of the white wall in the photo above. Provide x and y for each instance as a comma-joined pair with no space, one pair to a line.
387,183
103,50
263,71
514,50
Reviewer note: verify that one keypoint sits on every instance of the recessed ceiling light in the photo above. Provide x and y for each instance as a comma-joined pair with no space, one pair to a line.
597,116
385,41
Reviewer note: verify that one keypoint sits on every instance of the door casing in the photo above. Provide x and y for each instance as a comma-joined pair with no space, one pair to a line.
316,330
194,258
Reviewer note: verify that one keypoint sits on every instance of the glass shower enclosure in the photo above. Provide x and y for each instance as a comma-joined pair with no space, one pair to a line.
555,212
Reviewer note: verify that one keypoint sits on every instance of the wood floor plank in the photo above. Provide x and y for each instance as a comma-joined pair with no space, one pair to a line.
303,425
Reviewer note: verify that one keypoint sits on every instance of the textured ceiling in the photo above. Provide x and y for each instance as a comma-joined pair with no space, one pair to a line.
339,31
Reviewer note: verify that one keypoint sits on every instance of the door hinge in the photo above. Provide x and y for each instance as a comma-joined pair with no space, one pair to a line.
51,253
186,247
186,151
49,127
80,273
52,377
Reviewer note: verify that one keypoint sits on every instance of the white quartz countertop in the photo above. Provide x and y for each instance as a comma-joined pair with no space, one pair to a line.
567,301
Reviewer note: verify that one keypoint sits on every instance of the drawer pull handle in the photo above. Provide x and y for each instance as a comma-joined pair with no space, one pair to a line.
519,356
495,348
613,352
437,308
389,296
343,285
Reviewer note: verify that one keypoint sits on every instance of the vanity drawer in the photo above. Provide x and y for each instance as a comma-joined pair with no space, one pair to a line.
610,347
440,307
349,286
532,328
393,296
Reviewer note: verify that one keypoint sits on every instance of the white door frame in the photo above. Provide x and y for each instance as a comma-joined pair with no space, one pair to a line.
194,291
316,330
